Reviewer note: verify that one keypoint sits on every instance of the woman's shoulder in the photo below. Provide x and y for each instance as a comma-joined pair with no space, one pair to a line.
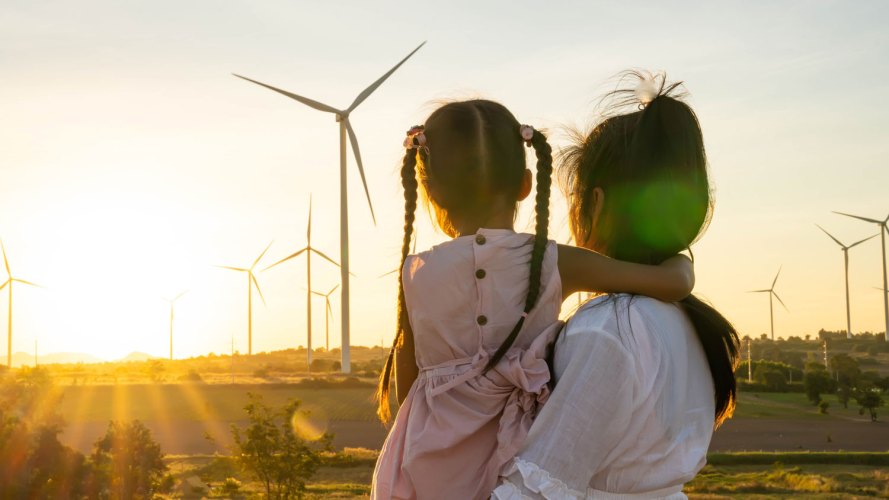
629,318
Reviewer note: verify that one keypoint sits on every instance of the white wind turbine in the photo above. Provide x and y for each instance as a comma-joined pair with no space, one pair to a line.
327,315
846,262
884,226
10,281
771,292
172,303
342,116
308,249
251,282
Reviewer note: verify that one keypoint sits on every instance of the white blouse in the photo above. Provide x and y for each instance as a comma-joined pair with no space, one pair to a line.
632,412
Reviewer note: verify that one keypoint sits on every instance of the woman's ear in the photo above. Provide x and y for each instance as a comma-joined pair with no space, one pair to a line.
525,189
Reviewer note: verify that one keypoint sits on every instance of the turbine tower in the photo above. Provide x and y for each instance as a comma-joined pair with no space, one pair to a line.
308,249
771,292
10,281
846,262
251,282
172,303
342,116
883,227
328,314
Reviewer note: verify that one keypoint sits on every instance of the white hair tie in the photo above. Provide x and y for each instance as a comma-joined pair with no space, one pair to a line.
527,132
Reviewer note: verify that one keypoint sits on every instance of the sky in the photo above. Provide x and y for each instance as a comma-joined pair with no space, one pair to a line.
132,162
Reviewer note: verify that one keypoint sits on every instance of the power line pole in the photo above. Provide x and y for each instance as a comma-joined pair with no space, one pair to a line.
749,363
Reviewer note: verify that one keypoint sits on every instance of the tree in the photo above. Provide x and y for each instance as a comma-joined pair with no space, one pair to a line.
771,377
844,392
846,369
127,463
270,450
816,382
869,400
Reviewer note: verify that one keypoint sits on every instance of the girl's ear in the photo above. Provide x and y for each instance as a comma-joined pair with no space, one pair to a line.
525,189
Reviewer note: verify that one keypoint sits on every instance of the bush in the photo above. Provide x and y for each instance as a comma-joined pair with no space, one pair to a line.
192,376
272,453
822,407
128,463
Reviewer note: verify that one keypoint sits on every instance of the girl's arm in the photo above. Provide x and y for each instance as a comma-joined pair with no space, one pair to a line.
406,369
582,270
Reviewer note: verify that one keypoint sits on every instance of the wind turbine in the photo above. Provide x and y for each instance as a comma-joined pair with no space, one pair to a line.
846,261
308,249
771,292
10,280
883,226
251,282
413,251
327,316
172,303
342,116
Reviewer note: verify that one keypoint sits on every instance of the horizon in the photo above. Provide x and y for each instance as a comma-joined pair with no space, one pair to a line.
132,162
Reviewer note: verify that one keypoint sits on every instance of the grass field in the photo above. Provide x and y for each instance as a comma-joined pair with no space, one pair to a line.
730,476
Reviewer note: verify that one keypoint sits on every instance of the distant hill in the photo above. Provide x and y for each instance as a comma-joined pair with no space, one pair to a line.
137,356
27,359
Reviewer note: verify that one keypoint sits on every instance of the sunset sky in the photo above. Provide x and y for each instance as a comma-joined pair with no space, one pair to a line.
132,162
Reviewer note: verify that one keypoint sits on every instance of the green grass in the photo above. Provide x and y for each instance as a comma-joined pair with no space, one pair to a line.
799,457
778,481
791,405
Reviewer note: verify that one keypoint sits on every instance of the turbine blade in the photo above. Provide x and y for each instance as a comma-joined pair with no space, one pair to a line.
233,268
5,260
332,290
25,282
261,256
318,294
329,308
373,86
354,141
4,284
862,241
256,284
781,301
178,296
776,278
838,242
324,256
860,218
387,274
320,106
414,249
750,291
285,259
309,226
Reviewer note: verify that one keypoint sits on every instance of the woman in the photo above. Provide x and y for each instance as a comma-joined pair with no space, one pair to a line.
640,384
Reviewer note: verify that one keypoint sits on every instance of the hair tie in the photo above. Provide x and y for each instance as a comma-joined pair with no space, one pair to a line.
527,132
416,139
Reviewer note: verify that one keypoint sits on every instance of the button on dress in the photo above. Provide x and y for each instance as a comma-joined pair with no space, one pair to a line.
458,427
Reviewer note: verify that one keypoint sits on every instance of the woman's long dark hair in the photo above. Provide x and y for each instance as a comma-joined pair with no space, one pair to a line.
650,163
474,150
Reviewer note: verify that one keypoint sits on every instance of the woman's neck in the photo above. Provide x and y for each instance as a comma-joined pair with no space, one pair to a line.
501,220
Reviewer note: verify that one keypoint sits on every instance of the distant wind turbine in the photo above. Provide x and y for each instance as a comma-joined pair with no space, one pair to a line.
883,227
846,262
342,116
251,282
172,303
327,315
413,251
308,249
771,292
10,280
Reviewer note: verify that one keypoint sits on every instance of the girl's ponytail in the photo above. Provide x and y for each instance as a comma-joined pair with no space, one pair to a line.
544,155
403,327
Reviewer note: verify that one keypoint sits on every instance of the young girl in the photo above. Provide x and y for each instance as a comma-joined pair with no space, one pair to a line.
476,314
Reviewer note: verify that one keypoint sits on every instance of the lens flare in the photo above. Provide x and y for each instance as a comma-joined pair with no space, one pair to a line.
309,423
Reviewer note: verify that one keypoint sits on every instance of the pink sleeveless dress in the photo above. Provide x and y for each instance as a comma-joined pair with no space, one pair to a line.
458,427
